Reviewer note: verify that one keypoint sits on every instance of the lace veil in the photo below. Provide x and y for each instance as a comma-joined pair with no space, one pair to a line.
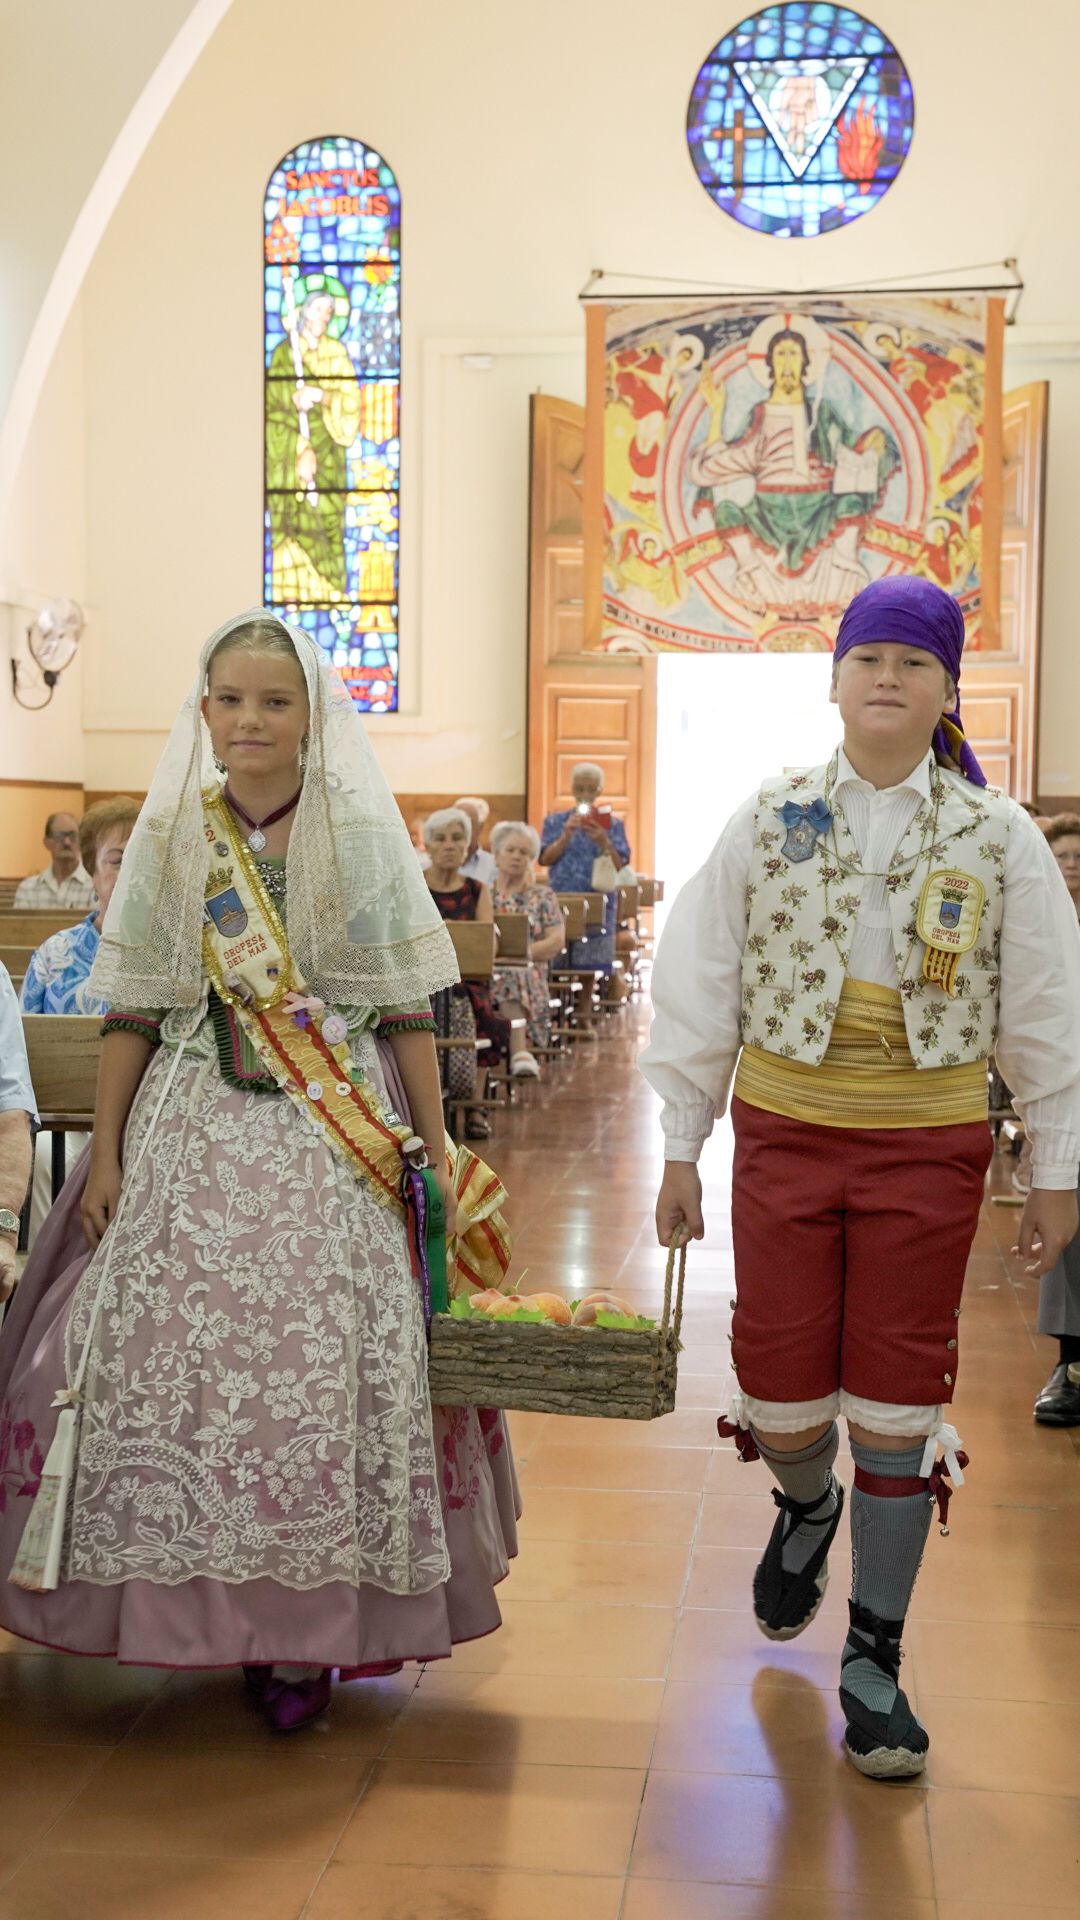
363,928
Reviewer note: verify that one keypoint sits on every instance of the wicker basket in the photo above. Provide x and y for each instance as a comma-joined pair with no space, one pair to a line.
603,1371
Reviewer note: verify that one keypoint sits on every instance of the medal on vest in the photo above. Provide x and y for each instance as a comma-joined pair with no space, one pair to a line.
948,919
805,827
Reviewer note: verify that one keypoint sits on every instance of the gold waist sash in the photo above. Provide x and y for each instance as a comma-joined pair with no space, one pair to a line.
857,1085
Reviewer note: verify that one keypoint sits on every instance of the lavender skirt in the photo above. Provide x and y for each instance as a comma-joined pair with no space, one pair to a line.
210,1622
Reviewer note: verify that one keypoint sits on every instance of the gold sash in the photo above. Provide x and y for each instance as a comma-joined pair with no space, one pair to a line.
246,955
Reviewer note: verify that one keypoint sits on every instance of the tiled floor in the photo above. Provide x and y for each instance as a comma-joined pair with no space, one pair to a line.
627,1747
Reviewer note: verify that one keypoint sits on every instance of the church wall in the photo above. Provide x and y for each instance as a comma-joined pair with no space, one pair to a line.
530,147
43,557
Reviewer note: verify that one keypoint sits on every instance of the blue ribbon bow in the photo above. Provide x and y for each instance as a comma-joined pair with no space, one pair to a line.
816,815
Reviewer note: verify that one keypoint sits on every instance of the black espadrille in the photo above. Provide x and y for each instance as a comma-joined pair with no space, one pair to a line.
785,1603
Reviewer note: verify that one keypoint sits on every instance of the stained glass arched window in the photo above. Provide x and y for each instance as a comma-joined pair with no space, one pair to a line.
800,118
332,306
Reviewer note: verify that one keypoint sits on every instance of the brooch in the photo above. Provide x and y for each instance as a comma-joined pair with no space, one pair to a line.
805,826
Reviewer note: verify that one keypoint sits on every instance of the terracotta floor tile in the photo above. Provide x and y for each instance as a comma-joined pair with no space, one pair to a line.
630,1465
58,1886
972,1741
580,1513
592,1640
723,1577
214,1713
38,1783
354,1890
78,1703
1006,1847
795,1731
740,1519
840,1831
489,1718
715,1647
993,1910
288,1803
614,1571
682,1900
979,1585
696,1428
537,1819
1023,1662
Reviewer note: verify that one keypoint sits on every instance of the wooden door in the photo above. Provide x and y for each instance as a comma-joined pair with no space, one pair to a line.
582,706
1001,689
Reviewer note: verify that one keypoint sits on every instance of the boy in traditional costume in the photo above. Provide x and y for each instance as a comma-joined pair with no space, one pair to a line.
863,936
241,1465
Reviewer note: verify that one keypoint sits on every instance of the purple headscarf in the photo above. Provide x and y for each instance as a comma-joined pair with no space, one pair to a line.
915,613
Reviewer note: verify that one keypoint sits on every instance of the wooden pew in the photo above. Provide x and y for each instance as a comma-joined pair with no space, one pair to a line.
64,1051
16,960
512,930
474,944
29,926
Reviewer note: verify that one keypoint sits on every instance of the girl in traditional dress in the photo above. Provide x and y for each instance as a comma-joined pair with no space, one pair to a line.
246,1468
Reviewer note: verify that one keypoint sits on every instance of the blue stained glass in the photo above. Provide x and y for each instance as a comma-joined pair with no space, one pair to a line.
332,341
800,119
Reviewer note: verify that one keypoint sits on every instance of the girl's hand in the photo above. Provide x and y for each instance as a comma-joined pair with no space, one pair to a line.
101,1197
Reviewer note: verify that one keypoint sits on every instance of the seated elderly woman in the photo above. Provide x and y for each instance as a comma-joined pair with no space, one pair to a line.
522,991
570,843
57,976
458,897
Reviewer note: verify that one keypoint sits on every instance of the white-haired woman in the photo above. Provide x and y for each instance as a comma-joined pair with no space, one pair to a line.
570,842
460,897
522,991
478,863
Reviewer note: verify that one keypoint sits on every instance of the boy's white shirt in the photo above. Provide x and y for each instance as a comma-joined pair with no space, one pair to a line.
697,977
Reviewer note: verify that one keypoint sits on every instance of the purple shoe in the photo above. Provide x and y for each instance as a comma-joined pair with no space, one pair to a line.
288,1704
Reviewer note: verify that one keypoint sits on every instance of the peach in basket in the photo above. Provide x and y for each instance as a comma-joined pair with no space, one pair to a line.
587,1311
551,1305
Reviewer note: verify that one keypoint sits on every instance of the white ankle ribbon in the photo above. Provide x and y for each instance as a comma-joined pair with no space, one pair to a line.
949,1441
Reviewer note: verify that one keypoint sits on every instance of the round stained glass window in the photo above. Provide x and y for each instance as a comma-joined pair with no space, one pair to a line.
800,119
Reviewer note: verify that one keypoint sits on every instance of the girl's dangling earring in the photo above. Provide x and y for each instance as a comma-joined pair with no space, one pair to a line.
221,767
304,749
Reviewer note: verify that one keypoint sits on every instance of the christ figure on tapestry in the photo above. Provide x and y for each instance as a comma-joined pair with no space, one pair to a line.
791,496
313,408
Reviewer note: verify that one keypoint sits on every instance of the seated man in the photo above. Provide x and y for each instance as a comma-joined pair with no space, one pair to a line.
57,976
65,881
478,863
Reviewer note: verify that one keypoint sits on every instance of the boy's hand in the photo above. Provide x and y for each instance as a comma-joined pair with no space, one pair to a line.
678,1203
1049,1221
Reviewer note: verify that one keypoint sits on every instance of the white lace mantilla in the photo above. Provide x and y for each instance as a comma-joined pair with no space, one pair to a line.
256,1394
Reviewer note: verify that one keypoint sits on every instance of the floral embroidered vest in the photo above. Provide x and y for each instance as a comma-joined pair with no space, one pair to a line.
801,920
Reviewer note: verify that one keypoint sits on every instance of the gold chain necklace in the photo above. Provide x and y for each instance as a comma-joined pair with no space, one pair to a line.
849,870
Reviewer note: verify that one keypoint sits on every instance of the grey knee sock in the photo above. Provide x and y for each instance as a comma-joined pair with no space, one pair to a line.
888,1534
806,1475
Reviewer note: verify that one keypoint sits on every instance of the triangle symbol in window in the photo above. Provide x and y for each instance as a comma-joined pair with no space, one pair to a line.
800,101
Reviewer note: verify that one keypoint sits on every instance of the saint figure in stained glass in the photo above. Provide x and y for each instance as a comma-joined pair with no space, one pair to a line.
313,412
332,244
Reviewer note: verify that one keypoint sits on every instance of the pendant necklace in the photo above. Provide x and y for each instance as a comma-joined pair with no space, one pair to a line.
256,838
849,870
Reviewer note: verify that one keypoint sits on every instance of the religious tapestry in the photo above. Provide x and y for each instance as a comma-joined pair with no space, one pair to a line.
800,119
332,302
762,463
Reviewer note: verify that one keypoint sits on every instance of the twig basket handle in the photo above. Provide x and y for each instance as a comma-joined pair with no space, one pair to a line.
676,1250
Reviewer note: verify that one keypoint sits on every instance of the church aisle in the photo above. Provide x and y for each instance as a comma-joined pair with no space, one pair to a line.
627,1747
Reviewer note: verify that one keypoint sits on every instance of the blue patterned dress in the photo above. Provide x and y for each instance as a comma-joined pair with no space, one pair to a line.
572,873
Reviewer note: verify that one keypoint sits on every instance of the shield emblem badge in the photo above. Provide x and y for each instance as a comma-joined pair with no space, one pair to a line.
228,913
800,842
949,913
